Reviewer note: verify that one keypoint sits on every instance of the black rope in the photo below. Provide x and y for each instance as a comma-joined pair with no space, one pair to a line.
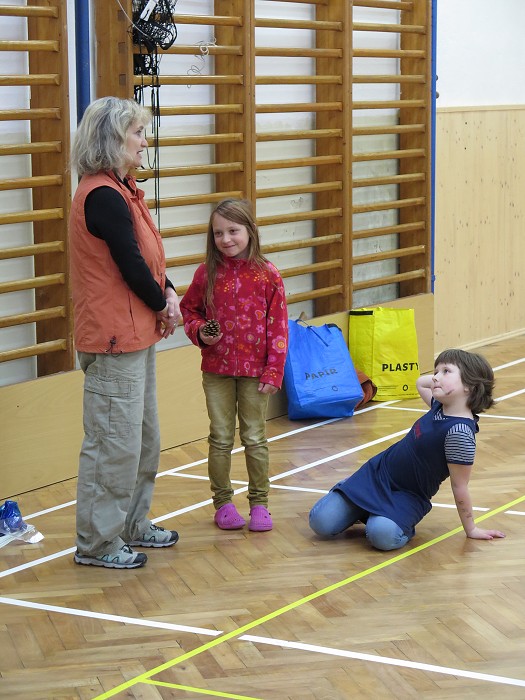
152,28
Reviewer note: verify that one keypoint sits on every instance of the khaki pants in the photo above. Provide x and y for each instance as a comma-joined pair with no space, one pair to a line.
227,397
121,449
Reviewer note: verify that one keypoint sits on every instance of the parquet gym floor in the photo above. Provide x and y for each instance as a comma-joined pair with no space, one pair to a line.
283,615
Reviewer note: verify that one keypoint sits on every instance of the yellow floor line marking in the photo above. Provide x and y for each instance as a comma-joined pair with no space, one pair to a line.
200,691
291,606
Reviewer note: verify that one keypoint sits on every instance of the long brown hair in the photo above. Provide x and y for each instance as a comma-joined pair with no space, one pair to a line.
240,211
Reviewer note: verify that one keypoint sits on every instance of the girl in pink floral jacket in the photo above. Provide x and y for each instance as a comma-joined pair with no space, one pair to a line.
243,353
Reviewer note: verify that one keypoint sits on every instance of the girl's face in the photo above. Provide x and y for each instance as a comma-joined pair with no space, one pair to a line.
135,144
447,383
231,238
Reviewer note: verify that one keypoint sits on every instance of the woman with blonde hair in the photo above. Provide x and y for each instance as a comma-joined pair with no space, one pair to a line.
123,304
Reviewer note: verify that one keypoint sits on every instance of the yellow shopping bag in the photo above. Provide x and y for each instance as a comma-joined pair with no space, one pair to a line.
383,344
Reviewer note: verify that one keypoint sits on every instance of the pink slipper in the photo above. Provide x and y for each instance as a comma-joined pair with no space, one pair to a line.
228,518
260,519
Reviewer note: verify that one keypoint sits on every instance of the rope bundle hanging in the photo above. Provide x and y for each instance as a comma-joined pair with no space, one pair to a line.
152,28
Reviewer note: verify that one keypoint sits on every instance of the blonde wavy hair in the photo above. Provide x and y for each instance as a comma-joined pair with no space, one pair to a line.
100,141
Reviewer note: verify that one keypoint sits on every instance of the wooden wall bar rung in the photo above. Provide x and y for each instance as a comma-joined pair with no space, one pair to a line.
311,269
310,2
197,140
179,231
26,182
32,283
386,4
30,250
388,155
29,114
28,45
185,170
319,293
192,199
34,350
191,80
298,24
300,189
389,180
299,53
396,28
388,230
192,49
34,215
26,148
213,20
28,11
391,279
298,216
299,107
299,244
367,79
29,80
32,317
389,254
298,80
388,53
200,109
385,206
183,260
388,104
381,130
298,162
298,135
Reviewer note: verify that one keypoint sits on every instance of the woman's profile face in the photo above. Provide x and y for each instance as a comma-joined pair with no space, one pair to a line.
135,144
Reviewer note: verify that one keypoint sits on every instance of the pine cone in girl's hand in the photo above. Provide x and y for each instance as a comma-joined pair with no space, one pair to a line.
211,328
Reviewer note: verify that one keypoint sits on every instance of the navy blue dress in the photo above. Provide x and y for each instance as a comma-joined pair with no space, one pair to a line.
399,482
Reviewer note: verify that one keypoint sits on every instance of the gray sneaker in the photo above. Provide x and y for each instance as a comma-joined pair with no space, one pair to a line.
125,558
156,537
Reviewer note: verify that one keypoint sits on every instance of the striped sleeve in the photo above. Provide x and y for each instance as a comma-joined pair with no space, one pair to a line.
460,445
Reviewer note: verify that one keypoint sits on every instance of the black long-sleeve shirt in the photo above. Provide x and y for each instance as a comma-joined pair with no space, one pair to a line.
108,218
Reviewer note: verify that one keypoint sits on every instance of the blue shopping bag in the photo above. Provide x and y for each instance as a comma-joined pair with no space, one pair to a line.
319,375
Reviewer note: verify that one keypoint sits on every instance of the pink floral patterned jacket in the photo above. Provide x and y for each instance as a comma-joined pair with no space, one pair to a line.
250,306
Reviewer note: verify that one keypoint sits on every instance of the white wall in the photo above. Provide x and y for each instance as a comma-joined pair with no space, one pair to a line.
480,52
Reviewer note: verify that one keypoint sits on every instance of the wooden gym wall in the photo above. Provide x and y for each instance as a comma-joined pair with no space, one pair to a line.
35,189
480,219
336,252
346,221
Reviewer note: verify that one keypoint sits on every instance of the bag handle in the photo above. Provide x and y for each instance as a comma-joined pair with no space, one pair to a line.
312,328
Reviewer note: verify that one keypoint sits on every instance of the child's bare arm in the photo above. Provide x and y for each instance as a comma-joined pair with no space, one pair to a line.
459,478
424,386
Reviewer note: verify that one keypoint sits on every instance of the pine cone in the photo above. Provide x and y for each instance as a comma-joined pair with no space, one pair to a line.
211,328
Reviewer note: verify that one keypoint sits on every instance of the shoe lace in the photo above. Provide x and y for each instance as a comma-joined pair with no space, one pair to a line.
127,549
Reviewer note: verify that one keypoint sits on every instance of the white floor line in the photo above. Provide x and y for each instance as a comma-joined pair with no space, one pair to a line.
312,648
110,618
510,396
36,562
49,510
458,672
509,364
